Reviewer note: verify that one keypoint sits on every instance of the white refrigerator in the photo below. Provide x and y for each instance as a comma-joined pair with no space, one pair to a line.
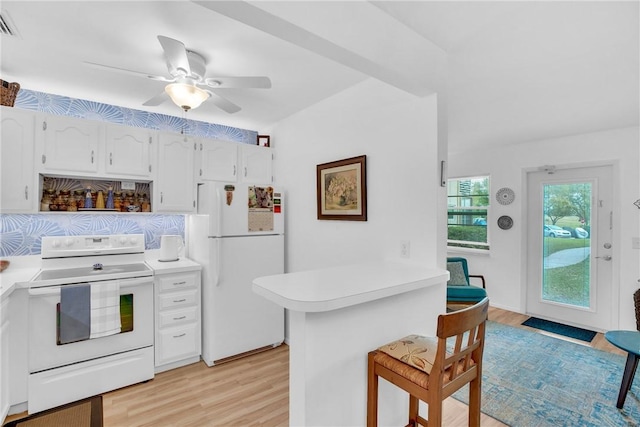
237,235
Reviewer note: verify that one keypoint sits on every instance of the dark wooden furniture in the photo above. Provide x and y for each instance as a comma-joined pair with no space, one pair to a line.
628,341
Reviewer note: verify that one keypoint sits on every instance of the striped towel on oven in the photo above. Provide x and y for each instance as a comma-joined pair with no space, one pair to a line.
105,308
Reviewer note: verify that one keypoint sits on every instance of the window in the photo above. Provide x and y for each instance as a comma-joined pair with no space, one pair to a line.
467,212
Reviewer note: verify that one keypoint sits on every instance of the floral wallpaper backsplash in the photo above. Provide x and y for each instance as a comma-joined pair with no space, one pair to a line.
21,234
90,110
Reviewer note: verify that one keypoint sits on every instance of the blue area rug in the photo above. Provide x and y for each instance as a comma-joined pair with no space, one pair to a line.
533,380
560,329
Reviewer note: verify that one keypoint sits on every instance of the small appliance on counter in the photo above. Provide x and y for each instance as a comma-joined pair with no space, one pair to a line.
170,246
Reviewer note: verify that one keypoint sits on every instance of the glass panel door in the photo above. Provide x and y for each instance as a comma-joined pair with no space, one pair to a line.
569,232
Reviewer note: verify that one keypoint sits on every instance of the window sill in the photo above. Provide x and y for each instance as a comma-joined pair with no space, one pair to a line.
468,251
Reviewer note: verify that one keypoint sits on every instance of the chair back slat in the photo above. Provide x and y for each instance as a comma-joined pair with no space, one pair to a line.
467,330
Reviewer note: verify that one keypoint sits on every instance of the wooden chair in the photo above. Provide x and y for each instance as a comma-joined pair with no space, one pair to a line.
430,370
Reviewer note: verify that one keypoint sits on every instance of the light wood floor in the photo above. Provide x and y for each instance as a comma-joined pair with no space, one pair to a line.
253,391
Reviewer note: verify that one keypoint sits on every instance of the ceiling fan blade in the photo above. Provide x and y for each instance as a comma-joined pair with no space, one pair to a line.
223,103
126,71
176,55
259,82
157,100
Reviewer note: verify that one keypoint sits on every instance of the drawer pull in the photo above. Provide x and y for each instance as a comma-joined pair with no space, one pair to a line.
179,300
179,283
180,318
180,336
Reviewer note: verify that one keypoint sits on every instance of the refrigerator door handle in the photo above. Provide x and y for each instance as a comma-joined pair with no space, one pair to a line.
217,269
218,213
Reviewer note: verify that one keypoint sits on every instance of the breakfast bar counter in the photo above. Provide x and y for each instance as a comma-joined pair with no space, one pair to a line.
336,316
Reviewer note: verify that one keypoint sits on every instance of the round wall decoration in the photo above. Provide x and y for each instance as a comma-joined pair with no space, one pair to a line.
505,196
505,222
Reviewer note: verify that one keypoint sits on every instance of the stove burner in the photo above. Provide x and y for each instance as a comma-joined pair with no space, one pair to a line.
97,266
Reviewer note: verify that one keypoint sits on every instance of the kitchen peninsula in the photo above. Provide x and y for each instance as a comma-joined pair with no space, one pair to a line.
336,316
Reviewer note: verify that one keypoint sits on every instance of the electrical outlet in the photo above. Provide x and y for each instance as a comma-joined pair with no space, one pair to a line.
405,249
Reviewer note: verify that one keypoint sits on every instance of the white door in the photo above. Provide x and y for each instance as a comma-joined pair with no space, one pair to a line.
236,319
70,145
128,151
16,161
175,189
218,161
570,246
256,164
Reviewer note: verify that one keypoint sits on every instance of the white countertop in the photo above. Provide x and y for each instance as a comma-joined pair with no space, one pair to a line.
338,287
24,269
168,267
20,270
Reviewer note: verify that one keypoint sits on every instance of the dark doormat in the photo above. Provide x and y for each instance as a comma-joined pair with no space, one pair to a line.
560,329
83,413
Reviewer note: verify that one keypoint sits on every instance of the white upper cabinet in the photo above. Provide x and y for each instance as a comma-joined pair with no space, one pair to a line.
17,186
218,160
71,146
174,189
68,145
232,162
128,151
256,164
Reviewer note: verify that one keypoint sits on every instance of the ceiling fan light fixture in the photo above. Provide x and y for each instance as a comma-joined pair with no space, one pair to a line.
186,96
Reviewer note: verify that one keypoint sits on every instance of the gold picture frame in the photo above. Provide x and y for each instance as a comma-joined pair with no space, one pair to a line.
341,188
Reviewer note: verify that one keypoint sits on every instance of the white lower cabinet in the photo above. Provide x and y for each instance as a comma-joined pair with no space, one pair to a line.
177,308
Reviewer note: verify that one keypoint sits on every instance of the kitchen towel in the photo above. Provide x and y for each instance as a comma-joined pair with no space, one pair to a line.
105,308
75,313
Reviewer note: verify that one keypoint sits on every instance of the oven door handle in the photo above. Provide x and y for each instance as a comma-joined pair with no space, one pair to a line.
47,290
124,283
127,283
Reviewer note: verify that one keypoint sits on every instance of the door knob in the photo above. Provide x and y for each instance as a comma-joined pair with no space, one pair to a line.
605,257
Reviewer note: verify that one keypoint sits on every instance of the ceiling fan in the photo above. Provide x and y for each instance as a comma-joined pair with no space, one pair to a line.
188,87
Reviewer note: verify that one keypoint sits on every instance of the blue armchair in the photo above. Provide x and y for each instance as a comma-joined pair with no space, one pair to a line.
459,288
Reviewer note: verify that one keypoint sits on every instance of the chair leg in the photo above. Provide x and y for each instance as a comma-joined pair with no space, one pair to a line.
372,394
475,386
435,412
413,410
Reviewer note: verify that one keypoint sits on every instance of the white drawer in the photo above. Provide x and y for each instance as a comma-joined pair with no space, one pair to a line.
178,299
178,317
174,282
177,343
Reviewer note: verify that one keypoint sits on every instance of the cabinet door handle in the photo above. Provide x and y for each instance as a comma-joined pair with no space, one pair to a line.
26,192
245,171
111,158
161,197
91,156
234,170
180,336
179,300
179,283
180,318
44,159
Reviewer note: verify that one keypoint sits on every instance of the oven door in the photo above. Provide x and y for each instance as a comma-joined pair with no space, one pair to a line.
45,351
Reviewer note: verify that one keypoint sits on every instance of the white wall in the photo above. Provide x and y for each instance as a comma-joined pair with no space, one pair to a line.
398,134
505,267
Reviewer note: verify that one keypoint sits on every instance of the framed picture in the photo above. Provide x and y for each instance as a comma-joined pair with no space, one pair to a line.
264,140
342,189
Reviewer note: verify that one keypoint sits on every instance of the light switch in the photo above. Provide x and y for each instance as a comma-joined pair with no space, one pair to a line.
635,242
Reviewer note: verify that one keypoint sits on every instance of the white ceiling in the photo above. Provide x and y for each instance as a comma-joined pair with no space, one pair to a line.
511,71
